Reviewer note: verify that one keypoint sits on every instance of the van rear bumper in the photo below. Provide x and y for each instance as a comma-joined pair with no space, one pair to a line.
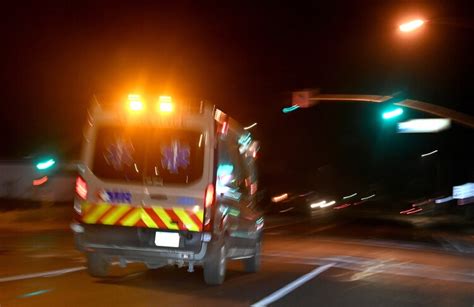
137,244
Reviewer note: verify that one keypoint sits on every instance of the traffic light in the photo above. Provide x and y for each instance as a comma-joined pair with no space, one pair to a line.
45,164
392,113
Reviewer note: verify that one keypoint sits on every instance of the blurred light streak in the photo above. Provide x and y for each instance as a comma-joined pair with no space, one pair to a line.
46,164
225,126
415,211
405,211
368,197
429,153
342,206
40,181
411,210
39,292
443,200
136,168
411,25
332,202
421,203
425,125
349,196
318,204
250,127
286,210
279,198
290,109
200,140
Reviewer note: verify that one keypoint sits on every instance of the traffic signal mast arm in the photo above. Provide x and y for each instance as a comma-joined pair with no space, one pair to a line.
440,111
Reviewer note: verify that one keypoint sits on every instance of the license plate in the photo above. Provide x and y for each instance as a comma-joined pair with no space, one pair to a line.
167,239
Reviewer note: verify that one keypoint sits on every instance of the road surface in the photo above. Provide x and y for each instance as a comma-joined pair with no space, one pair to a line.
306,262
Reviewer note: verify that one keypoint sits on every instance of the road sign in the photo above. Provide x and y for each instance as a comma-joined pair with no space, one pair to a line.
424,125
463,191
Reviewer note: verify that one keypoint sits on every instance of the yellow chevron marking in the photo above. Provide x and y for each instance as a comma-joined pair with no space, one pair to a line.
165,218
147,220
132,218
187,221
115,215
200,215
85,206
95,213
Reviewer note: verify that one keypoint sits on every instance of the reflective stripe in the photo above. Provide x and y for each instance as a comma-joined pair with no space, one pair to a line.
196,220
175,218
165,218
150,217
147,220
96,212
187,221
114,216
132,218
156,218
86,207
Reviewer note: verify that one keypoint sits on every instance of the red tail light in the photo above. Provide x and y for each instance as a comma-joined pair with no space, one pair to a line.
81,188
209,198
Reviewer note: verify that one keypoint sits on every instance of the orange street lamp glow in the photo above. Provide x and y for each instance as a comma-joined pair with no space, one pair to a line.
411,25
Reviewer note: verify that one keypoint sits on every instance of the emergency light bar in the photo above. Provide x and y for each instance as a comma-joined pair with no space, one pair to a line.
136,104
165,104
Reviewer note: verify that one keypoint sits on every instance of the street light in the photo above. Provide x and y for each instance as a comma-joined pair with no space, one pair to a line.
411,26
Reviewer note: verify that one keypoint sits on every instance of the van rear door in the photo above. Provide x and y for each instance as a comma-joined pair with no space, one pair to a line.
164,170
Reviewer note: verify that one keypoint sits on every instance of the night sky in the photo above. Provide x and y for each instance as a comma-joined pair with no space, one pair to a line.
246,58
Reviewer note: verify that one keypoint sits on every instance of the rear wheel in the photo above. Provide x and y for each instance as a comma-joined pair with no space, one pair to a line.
252,265
97,265
215,265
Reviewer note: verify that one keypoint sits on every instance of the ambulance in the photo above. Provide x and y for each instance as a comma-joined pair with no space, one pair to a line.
167,183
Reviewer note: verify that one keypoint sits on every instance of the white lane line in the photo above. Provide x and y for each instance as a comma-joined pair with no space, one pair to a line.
291,286
42,274
381,266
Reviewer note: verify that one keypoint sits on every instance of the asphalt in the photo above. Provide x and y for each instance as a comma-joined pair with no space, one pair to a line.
319,261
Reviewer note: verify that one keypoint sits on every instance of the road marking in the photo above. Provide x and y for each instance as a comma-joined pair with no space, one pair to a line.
381,266
292,286
42,274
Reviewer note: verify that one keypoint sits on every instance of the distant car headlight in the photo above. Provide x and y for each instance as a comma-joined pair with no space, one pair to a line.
322,204
317,205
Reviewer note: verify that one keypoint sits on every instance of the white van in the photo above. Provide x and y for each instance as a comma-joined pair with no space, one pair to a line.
167,184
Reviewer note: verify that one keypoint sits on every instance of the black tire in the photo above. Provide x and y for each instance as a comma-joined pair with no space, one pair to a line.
252,265
215,264
97,265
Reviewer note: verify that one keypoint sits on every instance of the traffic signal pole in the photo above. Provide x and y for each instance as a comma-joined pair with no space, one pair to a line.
458,117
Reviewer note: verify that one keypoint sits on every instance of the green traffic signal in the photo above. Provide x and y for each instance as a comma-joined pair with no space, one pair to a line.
43,165
392,113
290,109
